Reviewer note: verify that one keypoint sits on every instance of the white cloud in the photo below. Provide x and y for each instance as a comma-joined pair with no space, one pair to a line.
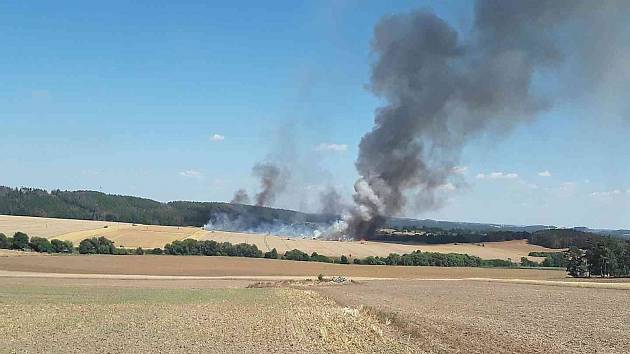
460,170
497,175
217,137
607,194
544,173
331,147
191,174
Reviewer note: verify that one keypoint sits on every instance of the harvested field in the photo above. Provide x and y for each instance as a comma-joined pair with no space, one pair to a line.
236,266
49,227
474,317
151,236
57,318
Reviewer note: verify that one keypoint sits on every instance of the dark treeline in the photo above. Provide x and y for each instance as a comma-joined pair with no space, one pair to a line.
90,205
607,257
551,238
416,258
440,236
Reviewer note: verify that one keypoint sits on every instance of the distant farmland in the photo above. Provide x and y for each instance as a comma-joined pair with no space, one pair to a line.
151,236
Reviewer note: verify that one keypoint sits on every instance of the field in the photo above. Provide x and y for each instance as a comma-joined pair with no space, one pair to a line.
60,303
150,236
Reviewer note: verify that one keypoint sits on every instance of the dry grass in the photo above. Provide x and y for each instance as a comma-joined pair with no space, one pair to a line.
484,317
57,318
151,236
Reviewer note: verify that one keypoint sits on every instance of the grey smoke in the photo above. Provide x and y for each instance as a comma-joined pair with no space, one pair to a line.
331,202
273,180
240,197
442,88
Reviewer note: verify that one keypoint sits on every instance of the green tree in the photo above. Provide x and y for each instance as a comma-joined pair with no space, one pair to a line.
296,255
40,244
20,241
139,251
273,254
60,246
577,265
4,241
87,247
344,260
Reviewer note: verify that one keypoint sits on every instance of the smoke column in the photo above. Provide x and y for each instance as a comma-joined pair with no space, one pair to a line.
240,197
331,202
442,88
272,181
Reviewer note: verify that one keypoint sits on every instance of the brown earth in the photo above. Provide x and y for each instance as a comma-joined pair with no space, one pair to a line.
418,309
237,266
62,318
152,236
474,317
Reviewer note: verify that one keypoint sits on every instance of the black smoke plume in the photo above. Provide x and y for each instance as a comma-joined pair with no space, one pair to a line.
441,88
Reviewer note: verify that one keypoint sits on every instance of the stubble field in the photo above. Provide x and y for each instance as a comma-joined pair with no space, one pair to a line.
60,303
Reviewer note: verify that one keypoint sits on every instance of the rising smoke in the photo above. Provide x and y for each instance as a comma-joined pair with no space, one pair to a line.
331,202
442,88
240,197
273,180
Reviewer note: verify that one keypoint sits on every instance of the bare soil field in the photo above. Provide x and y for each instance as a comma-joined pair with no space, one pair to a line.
59,318
237,266
203,304
151,236
474,317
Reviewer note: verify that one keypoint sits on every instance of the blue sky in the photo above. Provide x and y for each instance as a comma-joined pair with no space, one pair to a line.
177,100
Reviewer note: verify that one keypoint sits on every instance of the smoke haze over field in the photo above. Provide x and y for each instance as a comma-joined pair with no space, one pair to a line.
442,88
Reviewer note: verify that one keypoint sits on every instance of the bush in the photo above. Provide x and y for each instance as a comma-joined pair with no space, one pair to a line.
319,258
156,250
4,241
296,255
273,254
20,241
61,246
139,251
100,245
40,244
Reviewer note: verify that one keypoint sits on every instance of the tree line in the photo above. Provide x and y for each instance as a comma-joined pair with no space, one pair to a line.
550,238
604,258
91,205
102,245
20,241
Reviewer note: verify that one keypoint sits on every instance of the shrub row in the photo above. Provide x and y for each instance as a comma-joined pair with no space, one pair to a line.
102,245
211,248
419,258
21,241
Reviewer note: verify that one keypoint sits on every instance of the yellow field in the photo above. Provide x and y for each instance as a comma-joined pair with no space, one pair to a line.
150,236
